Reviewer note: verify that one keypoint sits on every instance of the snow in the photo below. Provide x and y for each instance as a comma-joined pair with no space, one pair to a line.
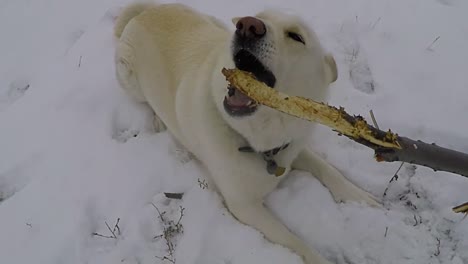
76,153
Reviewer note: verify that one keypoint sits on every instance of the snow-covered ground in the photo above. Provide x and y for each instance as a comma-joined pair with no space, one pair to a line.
76,153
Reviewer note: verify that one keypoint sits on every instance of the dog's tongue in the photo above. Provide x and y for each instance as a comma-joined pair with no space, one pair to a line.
238,99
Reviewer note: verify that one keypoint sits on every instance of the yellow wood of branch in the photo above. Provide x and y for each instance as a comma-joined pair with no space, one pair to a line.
461,208
305,108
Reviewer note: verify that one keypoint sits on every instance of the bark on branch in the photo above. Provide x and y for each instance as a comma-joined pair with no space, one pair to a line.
388,146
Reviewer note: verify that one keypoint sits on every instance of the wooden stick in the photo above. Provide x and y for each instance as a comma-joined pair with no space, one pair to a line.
388,146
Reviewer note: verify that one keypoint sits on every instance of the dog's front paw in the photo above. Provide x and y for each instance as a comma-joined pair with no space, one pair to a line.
353,193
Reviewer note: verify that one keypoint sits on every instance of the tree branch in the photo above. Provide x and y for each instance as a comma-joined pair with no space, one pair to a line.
388,146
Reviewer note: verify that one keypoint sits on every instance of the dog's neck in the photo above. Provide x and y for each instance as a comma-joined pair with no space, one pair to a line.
269,156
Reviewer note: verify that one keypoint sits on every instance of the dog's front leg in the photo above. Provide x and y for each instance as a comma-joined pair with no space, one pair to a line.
243,182
256,215
341,188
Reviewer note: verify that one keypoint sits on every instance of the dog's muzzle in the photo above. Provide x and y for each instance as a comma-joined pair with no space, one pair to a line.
250,31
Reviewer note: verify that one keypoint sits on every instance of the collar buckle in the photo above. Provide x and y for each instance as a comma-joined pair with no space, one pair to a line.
269,156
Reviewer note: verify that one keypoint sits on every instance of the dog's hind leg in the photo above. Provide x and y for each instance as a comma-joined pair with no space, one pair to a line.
158,124
125,71
259,217
127,78
341,188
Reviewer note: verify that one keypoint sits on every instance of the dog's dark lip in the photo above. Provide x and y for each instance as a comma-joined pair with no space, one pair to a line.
246,61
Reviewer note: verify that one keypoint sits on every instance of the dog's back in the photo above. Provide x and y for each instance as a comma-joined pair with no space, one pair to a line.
182,35
127,14
160,45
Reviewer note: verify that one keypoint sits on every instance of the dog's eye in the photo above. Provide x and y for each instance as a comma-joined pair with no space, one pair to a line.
296,37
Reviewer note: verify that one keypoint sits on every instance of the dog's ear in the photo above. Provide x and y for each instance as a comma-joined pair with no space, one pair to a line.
330,68
235,20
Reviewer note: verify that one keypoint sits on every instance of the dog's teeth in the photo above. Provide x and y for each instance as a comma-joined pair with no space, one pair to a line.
251,104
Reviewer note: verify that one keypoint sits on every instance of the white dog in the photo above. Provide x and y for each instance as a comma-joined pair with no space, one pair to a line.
171,57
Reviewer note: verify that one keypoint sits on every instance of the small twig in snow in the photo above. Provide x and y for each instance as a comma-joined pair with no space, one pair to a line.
386,231
181,215
417,222
395,175
376,22
112,231
116,227
79,63
108,227
394,178
432,44
170,230
166,258
437,253
99,235
374,121
159,212
203,184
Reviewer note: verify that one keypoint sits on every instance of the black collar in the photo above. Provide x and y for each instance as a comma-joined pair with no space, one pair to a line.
269,156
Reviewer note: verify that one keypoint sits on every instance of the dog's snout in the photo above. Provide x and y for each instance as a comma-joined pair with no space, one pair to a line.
250,27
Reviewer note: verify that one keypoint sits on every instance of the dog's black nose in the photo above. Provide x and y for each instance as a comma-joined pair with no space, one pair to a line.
250,27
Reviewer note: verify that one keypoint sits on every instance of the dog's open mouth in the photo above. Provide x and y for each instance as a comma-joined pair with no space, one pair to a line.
236,103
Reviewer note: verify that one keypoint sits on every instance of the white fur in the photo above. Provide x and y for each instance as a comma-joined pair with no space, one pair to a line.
171,57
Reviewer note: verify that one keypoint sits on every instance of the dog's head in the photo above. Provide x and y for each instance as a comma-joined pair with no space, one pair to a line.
281,51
